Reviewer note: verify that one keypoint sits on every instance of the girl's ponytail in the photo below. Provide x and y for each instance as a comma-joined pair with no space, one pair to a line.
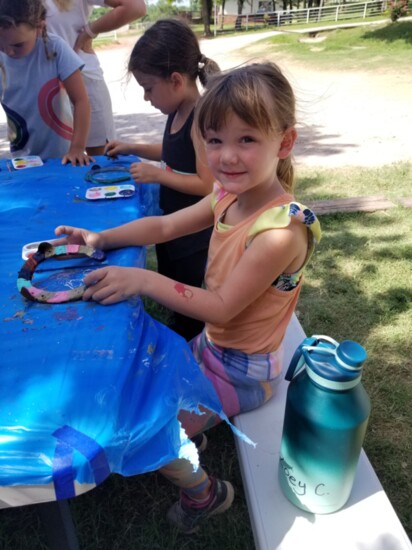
206,67
170,46
286,174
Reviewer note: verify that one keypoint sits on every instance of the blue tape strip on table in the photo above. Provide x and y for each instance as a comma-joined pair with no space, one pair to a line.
85,389
63,473
70,440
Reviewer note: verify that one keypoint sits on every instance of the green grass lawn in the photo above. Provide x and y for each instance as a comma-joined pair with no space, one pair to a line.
380,46
358,287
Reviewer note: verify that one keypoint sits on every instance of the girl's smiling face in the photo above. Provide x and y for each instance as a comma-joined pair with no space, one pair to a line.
241,157
19,41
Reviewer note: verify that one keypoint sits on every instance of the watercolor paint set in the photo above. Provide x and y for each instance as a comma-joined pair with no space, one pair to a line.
110,192
30,161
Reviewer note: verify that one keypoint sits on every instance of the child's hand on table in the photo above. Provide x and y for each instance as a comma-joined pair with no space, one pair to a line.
113,284
77,157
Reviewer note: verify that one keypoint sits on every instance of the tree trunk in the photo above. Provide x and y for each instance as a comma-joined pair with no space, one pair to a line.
222,14
206,12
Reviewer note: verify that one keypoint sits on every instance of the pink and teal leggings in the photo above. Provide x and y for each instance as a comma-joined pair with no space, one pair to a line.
243,382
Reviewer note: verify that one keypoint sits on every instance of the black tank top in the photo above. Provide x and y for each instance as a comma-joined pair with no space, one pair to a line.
178,154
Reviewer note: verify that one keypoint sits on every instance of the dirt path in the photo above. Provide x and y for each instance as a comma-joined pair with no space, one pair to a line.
345,118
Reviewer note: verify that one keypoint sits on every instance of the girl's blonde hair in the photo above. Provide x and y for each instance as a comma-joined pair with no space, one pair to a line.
19,12
25,12
261,96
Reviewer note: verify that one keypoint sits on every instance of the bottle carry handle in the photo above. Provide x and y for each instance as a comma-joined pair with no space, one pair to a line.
309,344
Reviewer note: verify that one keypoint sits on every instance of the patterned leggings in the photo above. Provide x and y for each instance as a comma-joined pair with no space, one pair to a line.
243,382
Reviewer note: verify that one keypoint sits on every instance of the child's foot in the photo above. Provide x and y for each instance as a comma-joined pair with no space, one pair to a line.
186,514
200,440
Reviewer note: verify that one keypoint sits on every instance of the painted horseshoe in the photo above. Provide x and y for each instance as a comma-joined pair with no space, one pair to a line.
45,252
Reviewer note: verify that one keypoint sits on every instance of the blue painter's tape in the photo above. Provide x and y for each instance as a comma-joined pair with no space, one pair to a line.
63,471
70,440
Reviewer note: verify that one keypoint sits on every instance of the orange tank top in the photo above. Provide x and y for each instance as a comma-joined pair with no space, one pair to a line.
261,326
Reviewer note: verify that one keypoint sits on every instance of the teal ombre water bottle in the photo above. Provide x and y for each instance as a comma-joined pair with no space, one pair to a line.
326,415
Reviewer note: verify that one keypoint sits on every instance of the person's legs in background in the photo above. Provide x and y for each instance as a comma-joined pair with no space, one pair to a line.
101,124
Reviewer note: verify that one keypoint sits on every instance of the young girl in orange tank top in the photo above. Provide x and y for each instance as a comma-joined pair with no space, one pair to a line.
261,241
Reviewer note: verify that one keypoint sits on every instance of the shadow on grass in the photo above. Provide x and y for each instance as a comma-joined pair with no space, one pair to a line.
357,288
341,301
400,30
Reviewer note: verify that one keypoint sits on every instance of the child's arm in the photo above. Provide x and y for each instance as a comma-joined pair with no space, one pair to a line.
123,12
77,93
200,183
270,254
149,151
196,184
144,231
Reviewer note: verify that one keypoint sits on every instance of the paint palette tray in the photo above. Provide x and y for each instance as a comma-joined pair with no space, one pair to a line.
30,161
30,248
110,192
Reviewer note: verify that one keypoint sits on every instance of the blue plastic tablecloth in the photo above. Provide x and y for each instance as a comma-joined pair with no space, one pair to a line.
85,389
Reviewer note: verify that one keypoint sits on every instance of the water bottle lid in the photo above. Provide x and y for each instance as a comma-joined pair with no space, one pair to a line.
332,365
352,354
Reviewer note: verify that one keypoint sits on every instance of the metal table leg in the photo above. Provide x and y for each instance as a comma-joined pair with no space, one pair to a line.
59,526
